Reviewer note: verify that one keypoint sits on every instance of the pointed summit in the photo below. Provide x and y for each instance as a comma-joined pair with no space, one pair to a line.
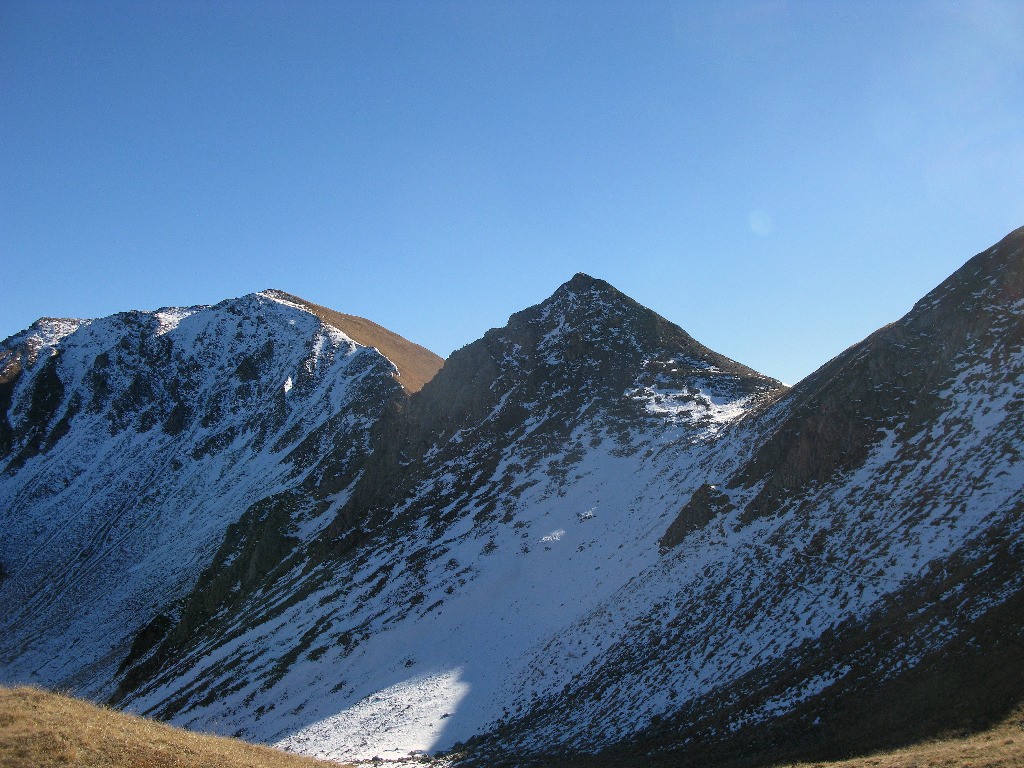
416,365
589,319
588,342
581,281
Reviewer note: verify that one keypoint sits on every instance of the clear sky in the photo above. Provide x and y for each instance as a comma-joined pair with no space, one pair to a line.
779,178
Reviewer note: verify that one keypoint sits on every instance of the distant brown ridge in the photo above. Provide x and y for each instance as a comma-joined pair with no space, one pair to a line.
416,365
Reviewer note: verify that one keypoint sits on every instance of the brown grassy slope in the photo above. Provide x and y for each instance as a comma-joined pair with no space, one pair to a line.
1000,747
46,730
416,365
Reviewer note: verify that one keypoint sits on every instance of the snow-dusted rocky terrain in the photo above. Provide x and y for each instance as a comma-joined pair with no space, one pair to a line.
587,533
130,446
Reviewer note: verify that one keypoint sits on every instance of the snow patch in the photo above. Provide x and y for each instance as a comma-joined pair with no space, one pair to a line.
404,717
168,318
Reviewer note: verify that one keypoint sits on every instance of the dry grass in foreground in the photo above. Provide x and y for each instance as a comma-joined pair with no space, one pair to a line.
46,730
1000,747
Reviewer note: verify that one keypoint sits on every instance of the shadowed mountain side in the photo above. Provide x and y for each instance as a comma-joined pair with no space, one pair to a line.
891,383
416,365
587,348
877,701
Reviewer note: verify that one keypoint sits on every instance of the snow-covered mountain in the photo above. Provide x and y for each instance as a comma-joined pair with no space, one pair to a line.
132,445
853,581
587,533
522,486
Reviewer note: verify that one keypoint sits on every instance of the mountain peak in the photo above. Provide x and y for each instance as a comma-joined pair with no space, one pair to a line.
587,345
586,312
583,281
416,365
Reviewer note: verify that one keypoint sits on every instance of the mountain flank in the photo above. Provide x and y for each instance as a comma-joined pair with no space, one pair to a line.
895,378
136,443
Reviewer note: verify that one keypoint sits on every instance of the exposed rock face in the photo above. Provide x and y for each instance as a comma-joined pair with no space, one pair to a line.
706,503
898,379
587,533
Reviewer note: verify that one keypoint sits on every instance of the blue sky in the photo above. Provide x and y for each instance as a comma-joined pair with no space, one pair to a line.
779,178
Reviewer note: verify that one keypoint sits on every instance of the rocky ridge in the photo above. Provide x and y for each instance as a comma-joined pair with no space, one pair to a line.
133,444
851,584
589,534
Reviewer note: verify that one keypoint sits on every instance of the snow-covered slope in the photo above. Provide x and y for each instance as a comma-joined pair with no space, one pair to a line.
130,444
521,489
858,579
589,533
